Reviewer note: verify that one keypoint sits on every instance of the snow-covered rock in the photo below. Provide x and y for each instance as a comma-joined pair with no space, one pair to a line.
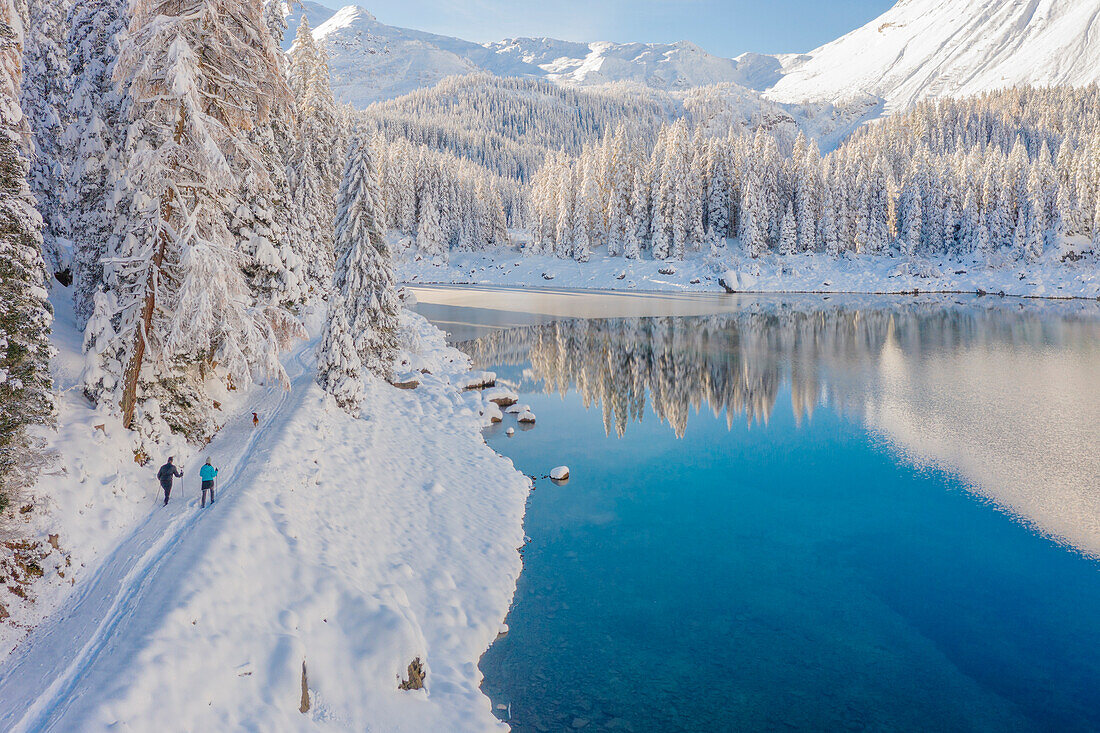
527,417
407,380
501,396
560,473
737,282
476,380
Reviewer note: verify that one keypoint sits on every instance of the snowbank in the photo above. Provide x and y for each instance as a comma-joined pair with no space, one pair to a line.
809,273
348,546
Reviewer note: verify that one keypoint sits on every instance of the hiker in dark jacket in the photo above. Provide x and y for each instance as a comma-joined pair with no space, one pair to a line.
166,473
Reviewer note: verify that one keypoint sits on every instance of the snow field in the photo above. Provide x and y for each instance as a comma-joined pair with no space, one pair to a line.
353,546
817,273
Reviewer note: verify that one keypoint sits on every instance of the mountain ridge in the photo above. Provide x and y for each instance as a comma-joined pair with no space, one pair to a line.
917,49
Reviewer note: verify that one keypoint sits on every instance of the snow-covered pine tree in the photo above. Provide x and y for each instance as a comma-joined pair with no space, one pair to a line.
695,191
316,157
788,233
618,205
95,195
1096,225
808,198
582,213
319,116
202,74
311,217
25,313
431,240
498,220
45,94
339,368
913,222
632,246
754,226
968,222
830,239
567,195
364,267
717,195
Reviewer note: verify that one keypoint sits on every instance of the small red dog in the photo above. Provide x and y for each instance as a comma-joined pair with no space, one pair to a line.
255,419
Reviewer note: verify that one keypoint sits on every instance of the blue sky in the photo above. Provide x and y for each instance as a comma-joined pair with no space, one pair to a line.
724,27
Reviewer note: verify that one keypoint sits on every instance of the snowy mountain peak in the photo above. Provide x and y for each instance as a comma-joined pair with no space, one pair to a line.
351,14
917,49
928,48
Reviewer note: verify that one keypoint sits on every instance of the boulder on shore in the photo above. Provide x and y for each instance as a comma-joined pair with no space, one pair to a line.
501,396
737,282
409,380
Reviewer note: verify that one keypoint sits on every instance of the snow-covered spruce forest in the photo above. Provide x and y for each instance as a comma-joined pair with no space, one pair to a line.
1005,176
193,186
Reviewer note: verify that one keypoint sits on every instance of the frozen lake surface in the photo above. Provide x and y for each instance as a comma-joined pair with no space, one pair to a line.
797,512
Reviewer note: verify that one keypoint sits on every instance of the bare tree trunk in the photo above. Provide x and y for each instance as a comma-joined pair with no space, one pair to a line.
133,368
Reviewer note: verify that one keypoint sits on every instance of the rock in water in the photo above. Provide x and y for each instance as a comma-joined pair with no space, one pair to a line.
561,473
527,417
501,396
510,432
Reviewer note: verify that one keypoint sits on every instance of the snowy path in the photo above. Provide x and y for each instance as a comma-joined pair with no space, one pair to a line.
349,545
106,620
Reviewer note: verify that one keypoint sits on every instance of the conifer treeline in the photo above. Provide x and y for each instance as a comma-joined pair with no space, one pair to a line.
507,125
187,171
1006,175
25,313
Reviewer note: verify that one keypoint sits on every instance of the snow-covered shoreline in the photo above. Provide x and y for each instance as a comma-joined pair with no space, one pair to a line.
808,273
350,545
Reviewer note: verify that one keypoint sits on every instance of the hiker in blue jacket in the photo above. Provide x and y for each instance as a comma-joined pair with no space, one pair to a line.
207,474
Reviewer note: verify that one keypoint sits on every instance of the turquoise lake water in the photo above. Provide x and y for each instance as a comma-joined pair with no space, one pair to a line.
807,513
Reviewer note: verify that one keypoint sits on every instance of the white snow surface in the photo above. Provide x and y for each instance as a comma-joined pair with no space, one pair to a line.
351,545
917,49
932,48
817,273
